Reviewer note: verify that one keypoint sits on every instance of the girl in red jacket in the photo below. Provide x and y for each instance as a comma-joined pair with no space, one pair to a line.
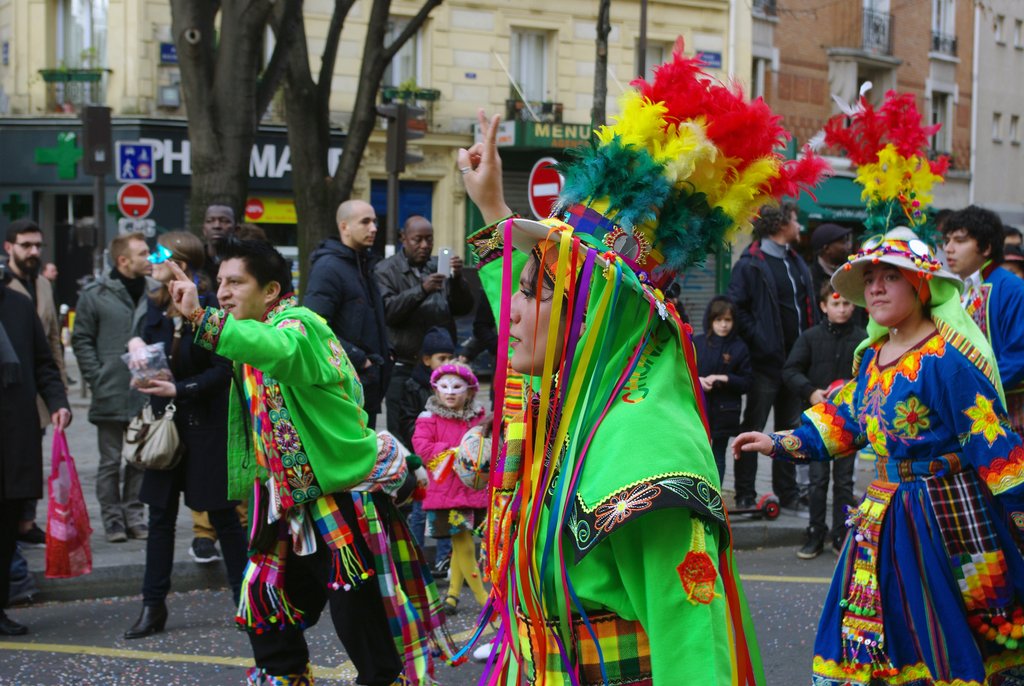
453,509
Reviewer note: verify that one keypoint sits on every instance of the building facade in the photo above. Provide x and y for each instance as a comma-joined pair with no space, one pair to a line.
813,51
998,109
532,61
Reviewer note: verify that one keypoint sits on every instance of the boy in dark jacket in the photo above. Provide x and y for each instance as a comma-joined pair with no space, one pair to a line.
723,367
821,357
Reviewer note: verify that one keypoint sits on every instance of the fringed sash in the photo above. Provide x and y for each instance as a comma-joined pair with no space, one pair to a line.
862,623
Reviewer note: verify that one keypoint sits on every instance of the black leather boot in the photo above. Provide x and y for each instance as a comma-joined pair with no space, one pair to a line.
151,621
9,627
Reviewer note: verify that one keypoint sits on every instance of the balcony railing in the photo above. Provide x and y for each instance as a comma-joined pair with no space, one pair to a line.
876,32
68,89
943,43
545,111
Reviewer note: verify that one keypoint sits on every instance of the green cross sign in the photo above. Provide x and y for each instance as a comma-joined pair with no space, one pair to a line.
14,208
65,155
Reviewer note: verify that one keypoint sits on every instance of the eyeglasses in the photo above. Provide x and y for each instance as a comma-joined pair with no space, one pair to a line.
27,245
160,255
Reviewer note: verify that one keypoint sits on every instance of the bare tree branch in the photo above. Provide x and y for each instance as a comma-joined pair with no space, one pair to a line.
284,23
410,30
330,54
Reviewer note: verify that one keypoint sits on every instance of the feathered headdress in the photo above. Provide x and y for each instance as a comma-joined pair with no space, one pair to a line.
889,147
683,168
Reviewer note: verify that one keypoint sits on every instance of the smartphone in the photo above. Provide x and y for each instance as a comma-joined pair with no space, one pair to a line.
444,261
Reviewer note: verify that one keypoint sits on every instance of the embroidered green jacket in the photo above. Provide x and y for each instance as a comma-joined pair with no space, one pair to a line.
292,358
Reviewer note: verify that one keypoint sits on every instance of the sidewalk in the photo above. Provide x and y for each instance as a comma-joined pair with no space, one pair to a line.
118,567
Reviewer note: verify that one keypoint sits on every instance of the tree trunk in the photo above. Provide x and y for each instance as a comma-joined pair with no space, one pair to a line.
220,76
307,112
604,27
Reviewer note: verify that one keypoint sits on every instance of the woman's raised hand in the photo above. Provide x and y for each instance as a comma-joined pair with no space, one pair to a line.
481,171
752,442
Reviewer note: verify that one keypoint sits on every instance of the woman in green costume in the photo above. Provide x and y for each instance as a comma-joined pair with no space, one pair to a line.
608,545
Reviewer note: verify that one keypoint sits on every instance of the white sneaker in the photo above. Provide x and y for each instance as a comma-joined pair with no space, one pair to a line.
483,652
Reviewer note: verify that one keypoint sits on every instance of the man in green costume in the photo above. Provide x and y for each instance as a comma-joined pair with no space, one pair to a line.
321,505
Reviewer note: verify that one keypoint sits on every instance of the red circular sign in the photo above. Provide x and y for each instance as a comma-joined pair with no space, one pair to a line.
135,200
543,187
254,209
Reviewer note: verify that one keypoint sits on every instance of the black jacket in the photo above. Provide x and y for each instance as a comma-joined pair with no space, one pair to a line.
411,311
21,452
729,356
758,321
822,355
203,382
415,393
343,290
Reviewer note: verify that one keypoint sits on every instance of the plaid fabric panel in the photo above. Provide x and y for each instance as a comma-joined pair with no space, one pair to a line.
627,654
623,644
957,502
970,540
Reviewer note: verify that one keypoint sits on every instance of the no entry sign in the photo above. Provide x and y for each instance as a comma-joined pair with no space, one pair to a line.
135,200
544,186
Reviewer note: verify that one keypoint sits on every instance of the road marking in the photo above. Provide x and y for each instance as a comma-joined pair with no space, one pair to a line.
335,673
321,672
787,579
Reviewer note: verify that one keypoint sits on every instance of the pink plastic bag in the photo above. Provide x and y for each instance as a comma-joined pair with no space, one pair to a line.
67,521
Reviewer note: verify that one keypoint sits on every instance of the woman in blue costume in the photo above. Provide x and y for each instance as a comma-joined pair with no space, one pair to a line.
929,587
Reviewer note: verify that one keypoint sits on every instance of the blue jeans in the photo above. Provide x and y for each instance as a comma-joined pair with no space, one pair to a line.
417,524
21,581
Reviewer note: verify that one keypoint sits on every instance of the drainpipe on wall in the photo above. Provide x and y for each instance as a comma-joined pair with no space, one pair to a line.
732,38
974,104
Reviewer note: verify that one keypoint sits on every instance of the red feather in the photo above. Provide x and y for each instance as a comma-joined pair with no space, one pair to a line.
904,124
864,134
743,131
801,174
939,166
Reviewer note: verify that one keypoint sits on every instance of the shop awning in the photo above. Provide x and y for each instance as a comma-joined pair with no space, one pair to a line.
837,200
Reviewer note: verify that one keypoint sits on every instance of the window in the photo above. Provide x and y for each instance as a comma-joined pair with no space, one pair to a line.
759,78
655,54
1015,129
405,66
81,44
942,114
997,28
530,63
944,27
997,126
1018,33
82,33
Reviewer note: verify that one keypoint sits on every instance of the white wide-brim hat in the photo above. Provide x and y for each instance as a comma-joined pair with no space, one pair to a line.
900,248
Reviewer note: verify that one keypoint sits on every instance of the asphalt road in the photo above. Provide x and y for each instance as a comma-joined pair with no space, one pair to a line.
80,642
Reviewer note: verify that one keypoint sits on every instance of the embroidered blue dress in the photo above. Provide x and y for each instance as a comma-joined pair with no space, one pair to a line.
929,586
997,306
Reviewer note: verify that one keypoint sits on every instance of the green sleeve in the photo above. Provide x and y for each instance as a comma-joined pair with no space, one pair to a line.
683,635
285,349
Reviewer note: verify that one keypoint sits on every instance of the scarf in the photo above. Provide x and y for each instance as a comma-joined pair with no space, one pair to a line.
10,365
